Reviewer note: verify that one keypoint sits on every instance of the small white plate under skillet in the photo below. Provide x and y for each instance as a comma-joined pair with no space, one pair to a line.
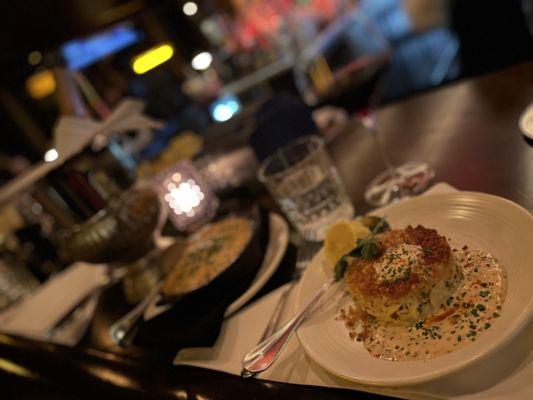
278,240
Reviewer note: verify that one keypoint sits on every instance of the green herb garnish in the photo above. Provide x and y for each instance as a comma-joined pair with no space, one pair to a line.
340,267
365,248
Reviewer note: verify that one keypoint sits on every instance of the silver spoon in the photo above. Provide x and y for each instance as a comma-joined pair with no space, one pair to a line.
123,326
265,353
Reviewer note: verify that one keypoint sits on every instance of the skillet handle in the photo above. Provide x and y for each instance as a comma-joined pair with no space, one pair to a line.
122,327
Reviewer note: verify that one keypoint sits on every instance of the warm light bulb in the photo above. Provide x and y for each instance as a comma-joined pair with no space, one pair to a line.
35,57
202,61
51,155
41,84
190,8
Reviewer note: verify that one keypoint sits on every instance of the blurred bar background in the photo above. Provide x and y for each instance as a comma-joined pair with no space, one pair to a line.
217,73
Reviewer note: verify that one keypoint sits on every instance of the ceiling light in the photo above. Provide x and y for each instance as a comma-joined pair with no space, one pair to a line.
152,58
41,84
51,155
35,57
202,61
190,8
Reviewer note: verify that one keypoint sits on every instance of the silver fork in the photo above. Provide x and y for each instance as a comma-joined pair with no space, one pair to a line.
305,254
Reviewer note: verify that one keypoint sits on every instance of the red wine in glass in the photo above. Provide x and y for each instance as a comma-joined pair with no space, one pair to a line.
346,67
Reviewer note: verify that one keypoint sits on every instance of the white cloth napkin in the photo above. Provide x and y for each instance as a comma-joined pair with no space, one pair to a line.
39,311
73,134
505,375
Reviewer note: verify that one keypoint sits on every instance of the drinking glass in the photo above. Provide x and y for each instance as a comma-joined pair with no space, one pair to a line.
305,183
345,66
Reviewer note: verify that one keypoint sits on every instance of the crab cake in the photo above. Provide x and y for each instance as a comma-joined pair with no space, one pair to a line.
413,275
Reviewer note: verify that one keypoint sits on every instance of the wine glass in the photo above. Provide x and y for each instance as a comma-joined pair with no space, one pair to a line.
345,66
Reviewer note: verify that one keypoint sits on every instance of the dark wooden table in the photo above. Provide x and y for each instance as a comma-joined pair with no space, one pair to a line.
468,131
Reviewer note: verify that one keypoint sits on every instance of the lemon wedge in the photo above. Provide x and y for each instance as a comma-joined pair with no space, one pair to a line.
342,237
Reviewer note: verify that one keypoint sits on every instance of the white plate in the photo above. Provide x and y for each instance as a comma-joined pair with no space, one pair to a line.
479,220
278,239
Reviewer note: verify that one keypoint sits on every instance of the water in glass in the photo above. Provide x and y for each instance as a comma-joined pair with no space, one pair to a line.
307,186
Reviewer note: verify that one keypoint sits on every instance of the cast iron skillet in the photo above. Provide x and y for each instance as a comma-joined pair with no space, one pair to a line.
232,279
195,319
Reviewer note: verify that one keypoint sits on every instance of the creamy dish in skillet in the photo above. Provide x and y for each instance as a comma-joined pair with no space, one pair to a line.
207,254
416,297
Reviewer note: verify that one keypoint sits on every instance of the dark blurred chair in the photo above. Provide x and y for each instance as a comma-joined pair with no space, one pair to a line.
280,120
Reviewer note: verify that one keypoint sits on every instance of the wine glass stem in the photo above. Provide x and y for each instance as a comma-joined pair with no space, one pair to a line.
393,172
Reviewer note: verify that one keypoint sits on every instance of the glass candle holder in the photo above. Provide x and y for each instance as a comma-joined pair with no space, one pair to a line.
190,200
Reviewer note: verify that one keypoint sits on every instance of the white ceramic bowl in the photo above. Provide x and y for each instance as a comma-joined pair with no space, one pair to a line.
479,220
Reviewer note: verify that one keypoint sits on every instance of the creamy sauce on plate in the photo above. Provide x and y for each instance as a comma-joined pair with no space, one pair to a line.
471,310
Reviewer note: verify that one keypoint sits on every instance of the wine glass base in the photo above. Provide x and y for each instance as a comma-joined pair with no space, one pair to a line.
411,178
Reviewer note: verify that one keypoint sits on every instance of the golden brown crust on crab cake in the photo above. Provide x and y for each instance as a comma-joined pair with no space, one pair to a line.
414,271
